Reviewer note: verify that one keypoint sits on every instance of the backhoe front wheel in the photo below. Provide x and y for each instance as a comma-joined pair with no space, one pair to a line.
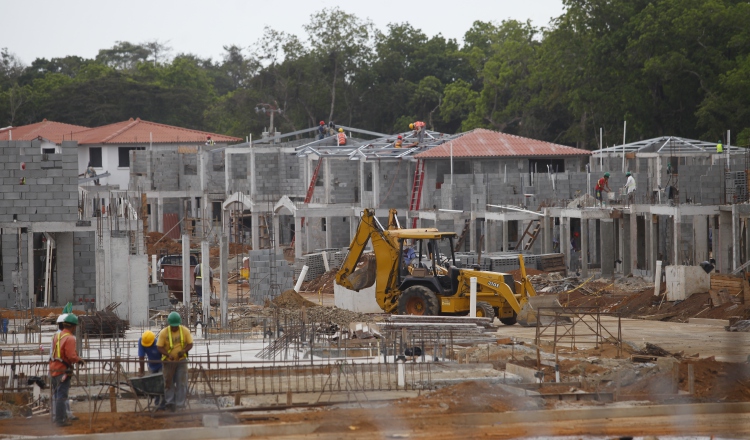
510,320
485,310
418,300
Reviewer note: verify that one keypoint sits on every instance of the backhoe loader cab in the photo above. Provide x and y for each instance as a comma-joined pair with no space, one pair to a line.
415,273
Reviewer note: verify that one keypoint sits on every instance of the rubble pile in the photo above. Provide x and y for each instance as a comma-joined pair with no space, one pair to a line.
290,299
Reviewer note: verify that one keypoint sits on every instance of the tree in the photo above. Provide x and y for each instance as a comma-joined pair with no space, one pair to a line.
123,55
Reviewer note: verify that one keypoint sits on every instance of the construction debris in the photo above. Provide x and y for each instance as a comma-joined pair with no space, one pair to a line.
104,323
740,326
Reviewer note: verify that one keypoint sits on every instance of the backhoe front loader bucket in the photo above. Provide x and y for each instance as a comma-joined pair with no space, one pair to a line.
528,315
364,275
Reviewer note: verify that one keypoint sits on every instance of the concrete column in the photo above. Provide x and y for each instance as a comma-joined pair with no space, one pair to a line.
677,235
329,232
700,239
725,237
546,233
504,224
297,237
565,239
625,240
276,231
253,176
327,180
352,227
633,242
206,282
608,247
65,267
490,235
255,231
224,272
652,222
747,240
362,182
473,230
160,215
186,270
584,248
736,235
375,184
29,269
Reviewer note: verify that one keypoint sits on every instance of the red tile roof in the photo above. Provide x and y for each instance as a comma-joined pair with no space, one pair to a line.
142,132
53,131
487,143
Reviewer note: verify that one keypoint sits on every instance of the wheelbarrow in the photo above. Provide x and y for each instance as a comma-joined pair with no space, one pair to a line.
151,387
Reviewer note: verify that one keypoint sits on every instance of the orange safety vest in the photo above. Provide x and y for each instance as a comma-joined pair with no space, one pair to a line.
342,139
419,125
399,143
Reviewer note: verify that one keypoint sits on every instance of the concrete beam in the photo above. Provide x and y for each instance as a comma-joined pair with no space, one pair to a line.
673,211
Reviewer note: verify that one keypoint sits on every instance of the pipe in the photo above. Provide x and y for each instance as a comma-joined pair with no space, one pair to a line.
473,297
301,278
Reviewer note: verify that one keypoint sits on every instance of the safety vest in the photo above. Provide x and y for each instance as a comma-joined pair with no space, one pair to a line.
210,142
199,271
58,356
171,343
342,139
719,148
399,143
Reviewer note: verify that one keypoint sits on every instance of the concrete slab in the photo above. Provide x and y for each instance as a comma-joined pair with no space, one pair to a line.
671,336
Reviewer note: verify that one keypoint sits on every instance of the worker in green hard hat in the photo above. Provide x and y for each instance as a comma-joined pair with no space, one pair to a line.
602,185
174,343
64,356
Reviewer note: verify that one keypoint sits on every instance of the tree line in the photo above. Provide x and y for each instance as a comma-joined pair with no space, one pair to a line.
667,67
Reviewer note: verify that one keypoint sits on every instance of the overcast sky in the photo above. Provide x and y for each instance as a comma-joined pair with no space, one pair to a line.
54,28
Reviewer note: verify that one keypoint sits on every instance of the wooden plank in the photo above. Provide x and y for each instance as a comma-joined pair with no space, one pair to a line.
711,322
746,290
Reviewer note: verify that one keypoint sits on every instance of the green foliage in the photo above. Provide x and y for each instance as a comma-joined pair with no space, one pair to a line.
672,67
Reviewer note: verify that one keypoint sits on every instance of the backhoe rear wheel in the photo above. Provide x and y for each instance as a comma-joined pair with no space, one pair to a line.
418,300
485,310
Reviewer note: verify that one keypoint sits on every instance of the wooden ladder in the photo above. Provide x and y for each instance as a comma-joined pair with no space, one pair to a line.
416,190
532,235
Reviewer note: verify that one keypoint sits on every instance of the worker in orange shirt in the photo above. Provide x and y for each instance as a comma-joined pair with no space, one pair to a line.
419,129
61,367
341,137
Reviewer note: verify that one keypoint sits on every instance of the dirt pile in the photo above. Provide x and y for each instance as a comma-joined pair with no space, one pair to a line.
290,299
157,243
323,283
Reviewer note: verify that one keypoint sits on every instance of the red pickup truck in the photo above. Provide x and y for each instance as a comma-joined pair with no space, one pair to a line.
170,270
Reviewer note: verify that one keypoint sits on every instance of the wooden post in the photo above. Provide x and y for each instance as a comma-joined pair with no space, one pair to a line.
691,379
676,378
112,400
289,397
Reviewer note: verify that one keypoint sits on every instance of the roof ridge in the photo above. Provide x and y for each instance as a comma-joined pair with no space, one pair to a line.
120,131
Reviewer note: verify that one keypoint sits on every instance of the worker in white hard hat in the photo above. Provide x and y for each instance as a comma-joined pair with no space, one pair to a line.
60,320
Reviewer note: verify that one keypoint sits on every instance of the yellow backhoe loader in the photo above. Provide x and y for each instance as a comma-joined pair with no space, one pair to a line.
415,273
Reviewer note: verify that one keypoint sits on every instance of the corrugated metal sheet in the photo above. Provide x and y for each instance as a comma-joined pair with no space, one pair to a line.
171,229
487,143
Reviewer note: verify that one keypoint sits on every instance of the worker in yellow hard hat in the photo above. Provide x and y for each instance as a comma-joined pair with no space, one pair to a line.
419,129
341,137
147,348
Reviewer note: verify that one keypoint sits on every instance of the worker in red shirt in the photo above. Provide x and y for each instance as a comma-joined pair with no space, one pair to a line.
602,185
341,137
61,367
419,129
399,142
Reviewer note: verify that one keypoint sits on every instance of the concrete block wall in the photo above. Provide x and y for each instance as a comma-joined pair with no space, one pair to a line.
84,267
395,184
9,244
158,296
343,181
260,270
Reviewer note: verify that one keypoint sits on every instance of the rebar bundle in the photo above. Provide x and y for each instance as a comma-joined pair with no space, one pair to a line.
104,323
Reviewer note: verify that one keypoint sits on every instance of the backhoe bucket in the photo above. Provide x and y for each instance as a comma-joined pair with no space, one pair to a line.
528,315
364,275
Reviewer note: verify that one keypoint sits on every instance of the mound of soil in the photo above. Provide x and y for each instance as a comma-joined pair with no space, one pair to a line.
290,299
471,396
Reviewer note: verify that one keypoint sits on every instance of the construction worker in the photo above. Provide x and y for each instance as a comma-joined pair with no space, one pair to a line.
209,141
399,142
199,281
719,147
630,186
341,137
147,348
419,129
322,130
174,343
60,321
602,185
61,367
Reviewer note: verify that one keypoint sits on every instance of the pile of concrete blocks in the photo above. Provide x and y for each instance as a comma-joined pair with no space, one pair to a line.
158,296
260,275
320,262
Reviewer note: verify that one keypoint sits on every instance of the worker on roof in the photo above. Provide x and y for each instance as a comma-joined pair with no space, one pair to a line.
64,357
399,142
322,130
209,141
174,343
147,348
331,128
602,185
419,129
341,137
719,147
630,186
